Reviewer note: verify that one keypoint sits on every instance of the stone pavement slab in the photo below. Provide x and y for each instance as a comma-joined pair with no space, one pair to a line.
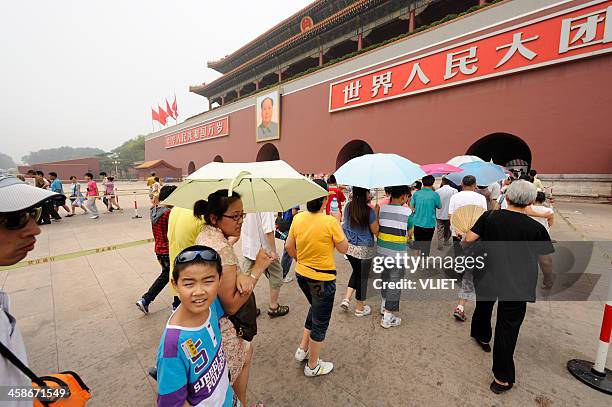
79,314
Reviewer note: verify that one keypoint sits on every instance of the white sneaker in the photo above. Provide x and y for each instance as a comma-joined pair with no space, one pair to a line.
301,355
94,217
322,368
365,312
390,322
344,305
287,279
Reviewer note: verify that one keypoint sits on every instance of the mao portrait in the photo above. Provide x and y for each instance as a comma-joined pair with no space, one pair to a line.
268,117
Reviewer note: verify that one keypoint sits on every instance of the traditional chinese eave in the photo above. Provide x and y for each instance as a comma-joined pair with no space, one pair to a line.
223,65
336,18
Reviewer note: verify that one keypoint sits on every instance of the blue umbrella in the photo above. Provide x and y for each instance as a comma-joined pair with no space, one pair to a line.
485,173
378,170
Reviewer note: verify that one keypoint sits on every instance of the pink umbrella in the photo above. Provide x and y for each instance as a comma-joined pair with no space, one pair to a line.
441,168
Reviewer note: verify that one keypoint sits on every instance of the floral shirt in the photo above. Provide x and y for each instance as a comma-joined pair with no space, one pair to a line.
234,346
213,237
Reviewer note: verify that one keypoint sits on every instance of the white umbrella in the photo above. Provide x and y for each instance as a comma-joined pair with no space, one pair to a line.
462,159
267,186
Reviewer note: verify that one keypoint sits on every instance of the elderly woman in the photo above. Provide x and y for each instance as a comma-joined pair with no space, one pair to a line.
224,215
515,245
312,238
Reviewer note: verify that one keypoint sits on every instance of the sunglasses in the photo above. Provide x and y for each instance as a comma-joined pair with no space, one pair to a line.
207,255
19,220
235,218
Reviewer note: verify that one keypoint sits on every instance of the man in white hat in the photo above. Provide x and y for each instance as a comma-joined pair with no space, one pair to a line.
19,211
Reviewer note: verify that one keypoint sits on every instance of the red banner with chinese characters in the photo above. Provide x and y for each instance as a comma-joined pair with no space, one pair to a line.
205,131
571,34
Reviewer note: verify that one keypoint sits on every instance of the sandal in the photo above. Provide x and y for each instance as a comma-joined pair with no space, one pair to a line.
499,388
279,311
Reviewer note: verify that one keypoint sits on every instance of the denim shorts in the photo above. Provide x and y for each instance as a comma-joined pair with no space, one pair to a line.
320,296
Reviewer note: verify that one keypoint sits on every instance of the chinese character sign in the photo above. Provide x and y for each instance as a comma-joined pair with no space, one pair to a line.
571,34
200,132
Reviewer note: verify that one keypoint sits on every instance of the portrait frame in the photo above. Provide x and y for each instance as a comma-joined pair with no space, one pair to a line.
272,131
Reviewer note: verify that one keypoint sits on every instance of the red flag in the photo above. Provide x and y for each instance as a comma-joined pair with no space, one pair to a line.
162,115
169,110
174,107
154,115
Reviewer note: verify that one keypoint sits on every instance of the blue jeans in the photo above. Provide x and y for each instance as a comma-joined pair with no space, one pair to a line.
286,261
320,296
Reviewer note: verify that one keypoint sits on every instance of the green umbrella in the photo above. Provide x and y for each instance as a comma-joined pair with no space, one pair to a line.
267,186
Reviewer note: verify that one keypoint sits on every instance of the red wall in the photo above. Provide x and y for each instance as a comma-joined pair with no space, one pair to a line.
66,168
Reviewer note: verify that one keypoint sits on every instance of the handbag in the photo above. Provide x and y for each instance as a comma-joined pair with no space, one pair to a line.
72,391
245,319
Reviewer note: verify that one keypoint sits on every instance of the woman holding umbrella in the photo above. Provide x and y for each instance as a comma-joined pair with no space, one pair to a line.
224,215
311,242
360,227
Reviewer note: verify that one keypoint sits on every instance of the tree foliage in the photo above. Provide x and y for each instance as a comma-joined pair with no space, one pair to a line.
6,162
125,156
60,153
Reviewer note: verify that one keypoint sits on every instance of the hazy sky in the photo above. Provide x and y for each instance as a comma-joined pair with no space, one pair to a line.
85,73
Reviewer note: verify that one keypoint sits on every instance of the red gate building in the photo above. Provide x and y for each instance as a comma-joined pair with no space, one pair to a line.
520,82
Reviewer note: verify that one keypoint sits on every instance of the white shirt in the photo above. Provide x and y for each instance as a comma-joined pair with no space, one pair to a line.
446,192
495,190
542,210
465,198
251,234
10,336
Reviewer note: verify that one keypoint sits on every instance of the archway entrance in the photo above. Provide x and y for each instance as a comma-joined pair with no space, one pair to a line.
190,167
218,159
268,152
505,149
352,149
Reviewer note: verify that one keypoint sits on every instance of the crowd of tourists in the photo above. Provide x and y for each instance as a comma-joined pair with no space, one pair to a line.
82,197
206,349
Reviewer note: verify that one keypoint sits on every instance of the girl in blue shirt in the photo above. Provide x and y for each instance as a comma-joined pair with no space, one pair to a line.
360,227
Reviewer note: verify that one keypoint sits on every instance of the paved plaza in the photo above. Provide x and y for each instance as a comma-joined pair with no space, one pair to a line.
79,314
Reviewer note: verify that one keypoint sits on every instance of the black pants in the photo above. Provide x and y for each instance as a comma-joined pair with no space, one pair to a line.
47,212
359,276
162,279
422,237
510,315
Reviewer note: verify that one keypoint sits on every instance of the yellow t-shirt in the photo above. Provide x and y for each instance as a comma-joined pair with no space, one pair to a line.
538,184
183,229
150,181
316,235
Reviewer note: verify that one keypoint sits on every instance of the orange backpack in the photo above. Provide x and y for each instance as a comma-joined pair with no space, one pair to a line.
65,389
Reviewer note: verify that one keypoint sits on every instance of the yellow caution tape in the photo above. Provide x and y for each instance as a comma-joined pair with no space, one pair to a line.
74,255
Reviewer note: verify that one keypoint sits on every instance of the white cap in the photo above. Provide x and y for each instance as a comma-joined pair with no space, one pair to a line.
16,195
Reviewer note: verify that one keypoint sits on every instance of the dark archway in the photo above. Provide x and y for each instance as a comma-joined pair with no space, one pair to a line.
268,152
352,149
505,149
190,167
218,159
